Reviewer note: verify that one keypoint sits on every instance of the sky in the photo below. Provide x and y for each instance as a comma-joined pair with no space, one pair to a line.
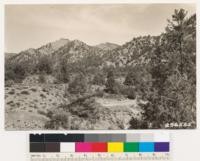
31,26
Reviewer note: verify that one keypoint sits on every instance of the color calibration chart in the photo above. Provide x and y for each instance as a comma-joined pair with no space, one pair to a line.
99,147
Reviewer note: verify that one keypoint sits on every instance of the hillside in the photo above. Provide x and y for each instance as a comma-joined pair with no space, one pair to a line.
9,55
106,86
107,46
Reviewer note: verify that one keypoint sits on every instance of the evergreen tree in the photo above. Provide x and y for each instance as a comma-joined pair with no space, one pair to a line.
176,28
99,79
45,65
62,73
181,81
78,85
111,85
130,79
172,96
154,110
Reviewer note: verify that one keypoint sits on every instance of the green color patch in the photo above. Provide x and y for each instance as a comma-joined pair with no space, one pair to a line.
131,147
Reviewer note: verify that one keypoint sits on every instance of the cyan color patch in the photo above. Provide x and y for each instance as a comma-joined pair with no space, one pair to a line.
146,147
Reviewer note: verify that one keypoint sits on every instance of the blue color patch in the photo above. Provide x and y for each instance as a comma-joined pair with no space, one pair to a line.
146,147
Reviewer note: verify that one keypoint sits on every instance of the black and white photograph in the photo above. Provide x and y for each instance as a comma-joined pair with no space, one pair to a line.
100,66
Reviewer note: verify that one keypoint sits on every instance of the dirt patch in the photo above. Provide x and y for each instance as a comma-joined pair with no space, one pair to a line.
116,114
24,121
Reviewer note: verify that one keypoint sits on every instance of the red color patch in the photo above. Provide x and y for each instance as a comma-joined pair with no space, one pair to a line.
99,147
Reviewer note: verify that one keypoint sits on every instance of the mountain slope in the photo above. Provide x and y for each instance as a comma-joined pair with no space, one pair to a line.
107,46
136,51
53,46
80,55
9,55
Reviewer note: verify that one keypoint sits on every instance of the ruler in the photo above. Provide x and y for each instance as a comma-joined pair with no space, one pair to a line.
99,156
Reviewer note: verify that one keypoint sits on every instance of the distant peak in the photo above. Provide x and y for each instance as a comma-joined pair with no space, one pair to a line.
109,43
78,42
63,39
29,50
53,46
107,46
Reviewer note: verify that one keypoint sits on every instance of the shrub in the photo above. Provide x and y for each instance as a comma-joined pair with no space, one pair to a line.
41,78
41,112
15,72
111,85
137,124
35,106
12,92
130,79
42,95
62,71
87,108
66,92
9,83
131,94
50,125
139,78
98,79
33,89
79,85
62,76
45,65
25,92
44,90
58,121
18,104
10,102
49,114
9,74
127,91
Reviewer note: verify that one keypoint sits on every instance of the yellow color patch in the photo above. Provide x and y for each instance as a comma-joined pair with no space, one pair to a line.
115,147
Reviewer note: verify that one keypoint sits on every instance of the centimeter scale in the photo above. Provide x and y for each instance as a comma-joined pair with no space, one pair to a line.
100,157
99,147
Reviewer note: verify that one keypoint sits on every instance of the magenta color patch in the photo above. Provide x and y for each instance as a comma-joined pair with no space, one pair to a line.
83,147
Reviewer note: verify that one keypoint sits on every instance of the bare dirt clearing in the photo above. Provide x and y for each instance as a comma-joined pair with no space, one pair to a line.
119,112
108,102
